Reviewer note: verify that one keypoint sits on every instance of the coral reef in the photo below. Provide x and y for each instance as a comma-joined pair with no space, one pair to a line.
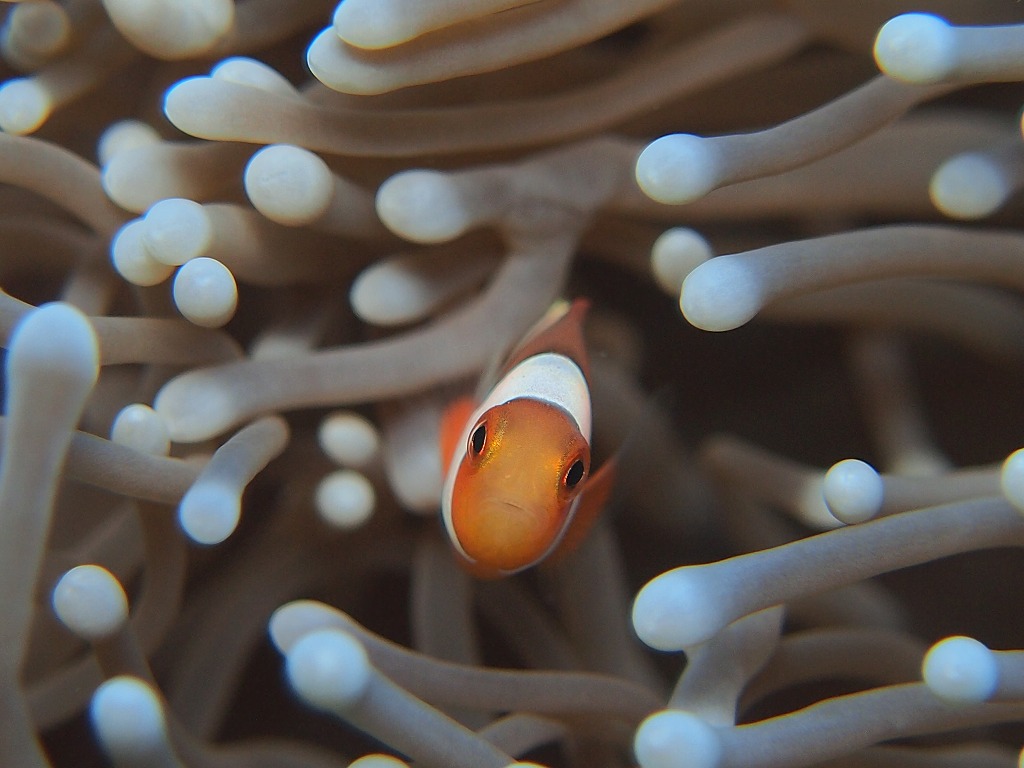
250,251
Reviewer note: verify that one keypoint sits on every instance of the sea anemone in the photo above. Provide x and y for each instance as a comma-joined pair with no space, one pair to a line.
251,251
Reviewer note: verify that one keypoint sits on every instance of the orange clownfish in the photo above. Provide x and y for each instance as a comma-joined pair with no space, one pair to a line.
519,486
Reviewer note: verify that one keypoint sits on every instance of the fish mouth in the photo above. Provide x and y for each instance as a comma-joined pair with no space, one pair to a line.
505,535
495,501
513,514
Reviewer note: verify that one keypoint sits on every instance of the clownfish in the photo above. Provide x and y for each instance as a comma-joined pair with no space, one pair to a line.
519,486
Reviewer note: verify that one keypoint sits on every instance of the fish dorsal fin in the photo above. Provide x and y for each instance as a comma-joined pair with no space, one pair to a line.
559,331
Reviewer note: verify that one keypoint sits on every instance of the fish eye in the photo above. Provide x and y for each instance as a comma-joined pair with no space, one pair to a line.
478,439
574,474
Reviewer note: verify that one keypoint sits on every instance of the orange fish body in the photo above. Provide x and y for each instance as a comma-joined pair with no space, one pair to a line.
518,486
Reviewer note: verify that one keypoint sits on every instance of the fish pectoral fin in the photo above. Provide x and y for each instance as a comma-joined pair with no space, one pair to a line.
593,499
453,422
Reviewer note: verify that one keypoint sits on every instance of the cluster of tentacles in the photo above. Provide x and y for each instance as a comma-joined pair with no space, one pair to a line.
249,251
